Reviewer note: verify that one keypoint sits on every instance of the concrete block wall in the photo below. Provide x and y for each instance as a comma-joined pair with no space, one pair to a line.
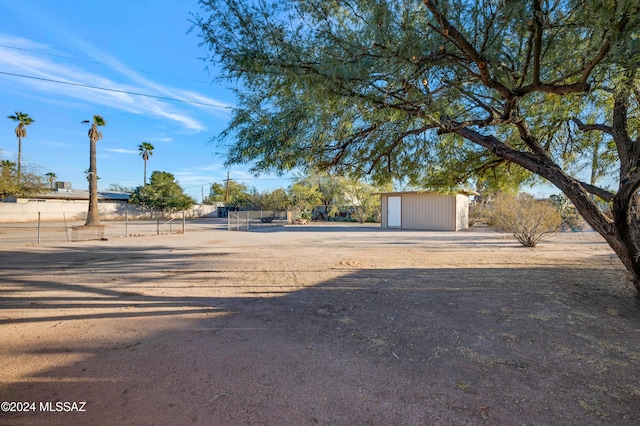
77,210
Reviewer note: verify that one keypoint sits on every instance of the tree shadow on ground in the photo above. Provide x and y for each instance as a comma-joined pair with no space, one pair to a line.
375,346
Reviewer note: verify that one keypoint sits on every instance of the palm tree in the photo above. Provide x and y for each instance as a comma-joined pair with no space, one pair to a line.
52,178
146,151
23,120
93,218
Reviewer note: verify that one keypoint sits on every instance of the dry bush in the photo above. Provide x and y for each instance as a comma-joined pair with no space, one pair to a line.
480,212
529,220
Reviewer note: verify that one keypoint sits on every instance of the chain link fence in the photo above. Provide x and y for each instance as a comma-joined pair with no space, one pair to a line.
246,220
46,227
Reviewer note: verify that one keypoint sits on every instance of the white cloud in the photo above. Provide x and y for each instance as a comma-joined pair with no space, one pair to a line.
185,120
214,166
47,75
20,43
122,151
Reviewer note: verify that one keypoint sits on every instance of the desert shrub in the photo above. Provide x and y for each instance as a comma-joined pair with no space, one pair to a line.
480,212
367,213
529,220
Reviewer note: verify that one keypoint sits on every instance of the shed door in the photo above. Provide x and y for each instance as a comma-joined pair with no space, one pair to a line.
394,212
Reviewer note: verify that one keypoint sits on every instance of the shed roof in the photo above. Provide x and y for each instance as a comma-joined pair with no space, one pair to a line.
461,191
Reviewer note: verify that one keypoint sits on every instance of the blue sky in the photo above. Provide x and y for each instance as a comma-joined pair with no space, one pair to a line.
135,46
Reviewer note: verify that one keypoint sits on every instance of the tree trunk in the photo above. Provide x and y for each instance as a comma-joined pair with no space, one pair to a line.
594,163
19,158
621,232
93,218
627,235
616,231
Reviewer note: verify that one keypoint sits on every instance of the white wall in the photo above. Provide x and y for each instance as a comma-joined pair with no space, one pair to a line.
77,210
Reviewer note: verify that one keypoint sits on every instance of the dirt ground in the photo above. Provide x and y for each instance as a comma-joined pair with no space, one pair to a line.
330,325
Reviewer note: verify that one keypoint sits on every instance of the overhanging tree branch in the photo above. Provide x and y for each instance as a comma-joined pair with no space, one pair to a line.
449,31
538,22
604,50
366,63
590,127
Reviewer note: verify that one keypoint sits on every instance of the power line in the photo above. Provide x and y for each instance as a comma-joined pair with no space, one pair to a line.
115,90
265,178
241,180
100,63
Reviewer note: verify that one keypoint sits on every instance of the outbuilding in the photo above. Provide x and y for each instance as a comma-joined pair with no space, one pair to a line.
425,210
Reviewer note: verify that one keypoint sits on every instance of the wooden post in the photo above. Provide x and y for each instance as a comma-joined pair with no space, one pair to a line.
226,197
66,229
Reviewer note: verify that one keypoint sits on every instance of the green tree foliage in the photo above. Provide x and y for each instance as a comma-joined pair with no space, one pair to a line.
326,195
51,177
23,121
145,149
8,181
236,195
528,219
366,204
571,219
320,192
162,193
439,92
304,197
30,184
507,178
276,200
116,187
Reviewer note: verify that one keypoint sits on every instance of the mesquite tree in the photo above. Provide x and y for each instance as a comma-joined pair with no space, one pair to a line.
436,92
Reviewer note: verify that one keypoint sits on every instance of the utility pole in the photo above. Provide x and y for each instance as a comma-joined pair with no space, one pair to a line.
226,197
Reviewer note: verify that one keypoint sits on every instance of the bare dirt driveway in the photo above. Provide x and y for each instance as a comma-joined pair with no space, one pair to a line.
332,325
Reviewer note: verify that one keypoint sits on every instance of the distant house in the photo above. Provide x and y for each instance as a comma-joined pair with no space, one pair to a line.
64,203
65,193
432,211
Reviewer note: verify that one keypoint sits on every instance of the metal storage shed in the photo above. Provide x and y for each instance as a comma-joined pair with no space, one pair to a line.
430,211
